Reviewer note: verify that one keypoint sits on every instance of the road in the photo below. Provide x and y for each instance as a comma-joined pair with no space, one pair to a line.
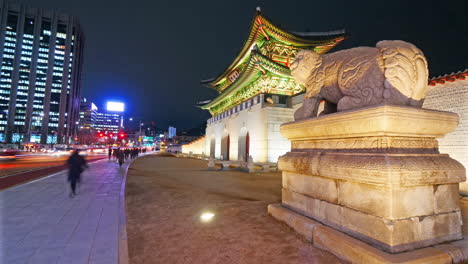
33,162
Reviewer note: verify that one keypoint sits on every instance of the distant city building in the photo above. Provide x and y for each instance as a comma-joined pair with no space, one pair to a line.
41,59
111,119
171,132
108,122
150,130
88,115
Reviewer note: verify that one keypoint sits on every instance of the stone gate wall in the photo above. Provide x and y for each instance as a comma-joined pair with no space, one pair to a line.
196,147
452,97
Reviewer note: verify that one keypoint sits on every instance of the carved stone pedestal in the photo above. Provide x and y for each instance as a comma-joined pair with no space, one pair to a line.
375,174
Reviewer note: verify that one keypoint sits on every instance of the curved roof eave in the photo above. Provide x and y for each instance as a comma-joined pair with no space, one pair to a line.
303,39
257,59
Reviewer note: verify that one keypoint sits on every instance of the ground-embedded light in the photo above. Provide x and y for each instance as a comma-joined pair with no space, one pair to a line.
206,217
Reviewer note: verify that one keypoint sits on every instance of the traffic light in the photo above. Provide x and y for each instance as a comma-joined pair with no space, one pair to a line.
122,135
101,134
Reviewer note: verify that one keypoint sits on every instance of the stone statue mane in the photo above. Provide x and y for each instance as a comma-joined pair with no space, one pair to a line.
394,72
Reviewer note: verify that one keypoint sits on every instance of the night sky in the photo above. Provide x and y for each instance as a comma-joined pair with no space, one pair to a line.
152,54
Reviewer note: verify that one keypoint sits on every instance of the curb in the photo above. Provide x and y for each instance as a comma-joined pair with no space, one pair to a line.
123,241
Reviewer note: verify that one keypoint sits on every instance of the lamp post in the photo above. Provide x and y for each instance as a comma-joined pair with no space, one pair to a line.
139,135
140,139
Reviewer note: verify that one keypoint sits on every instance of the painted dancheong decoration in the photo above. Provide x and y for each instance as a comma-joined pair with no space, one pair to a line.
262,66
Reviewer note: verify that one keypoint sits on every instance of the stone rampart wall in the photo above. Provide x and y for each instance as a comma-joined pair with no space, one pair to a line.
452,97
196,147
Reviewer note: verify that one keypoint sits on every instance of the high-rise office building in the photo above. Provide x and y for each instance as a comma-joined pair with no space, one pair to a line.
88,115
108,122
41,60
172,132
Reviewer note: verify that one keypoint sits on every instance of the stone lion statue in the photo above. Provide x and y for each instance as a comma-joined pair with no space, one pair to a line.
394,72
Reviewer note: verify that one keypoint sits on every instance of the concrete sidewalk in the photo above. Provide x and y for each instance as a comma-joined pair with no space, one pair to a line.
41,224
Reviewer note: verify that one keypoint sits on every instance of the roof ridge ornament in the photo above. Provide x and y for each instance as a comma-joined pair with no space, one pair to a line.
258,9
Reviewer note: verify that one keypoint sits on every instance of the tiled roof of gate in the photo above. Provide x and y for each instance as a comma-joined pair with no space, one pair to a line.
452,77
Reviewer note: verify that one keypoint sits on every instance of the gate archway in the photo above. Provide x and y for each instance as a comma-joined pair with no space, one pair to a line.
225,146
244,145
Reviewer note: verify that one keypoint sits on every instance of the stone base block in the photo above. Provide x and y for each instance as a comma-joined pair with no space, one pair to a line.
355,251
383,201
464,213
389,235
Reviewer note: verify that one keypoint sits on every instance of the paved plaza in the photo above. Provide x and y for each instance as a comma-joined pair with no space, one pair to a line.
167,196
40,223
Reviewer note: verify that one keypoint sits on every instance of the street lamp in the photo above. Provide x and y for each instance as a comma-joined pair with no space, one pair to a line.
139,129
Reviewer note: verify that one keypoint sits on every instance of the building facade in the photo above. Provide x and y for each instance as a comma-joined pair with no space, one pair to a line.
108,122
172,132
87,120
257,93
41,55
88,115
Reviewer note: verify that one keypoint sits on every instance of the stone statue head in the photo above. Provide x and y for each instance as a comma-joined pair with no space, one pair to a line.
306,61
306,65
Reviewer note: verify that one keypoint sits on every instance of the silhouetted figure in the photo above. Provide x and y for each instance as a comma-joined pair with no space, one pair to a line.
120,157
116,152
110,153
76,165
127,153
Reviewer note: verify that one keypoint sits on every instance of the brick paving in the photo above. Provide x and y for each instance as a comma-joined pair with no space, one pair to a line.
41,224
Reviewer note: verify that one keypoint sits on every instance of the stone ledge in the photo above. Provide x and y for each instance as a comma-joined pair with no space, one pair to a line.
382,169
381,120
356,251
301,224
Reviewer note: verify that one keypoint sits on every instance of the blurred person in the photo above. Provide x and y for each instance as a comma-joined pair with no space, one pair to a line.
76,165
127,153
115,153
120,157
110,152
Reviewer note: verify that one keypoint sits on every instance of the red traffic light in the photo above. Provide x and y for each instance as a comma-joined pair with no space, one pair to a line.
122,135
101,134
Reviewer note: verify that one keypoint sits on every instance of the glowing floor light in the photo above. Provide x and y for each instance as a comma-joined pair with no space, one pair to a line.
206,217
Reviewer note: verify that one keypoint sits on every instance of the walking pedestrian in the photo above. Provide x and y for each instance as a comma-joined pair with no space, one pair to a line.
76,165
121,157
115,153
110,152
